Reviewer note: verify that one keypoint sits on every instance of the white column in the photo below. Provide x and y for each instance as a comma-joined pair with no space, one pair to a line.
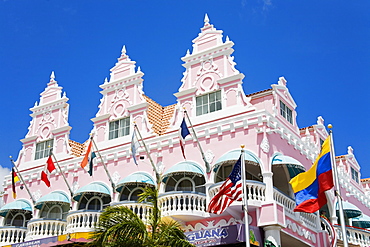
267,179
272,233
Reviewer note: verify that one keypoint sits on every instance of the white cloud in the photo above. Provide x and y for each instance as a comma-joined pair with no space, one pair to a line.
3,172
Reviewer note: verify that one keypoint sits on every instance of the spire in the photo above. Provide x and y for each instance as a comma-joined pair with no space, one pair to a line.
52,79
123,51
206,20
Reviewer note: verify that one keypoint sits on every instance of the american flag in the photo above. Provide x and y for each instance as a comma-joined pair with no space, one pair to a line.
231,190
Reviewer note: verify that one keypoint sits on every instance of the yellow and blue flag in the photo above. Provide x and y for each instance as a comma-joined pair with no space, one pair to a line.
309,187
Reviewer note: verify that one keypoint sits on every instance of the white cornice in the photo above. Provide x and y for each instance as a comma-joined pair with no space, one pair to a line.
29,139
100,118
62,129
225,80
137,106
53,105
224,49
127,81
185,92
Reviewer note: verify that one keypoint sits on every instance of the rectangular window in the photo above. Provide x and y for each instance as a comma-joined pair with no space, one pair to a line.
43,149
286,112
354,174
208,103
119,128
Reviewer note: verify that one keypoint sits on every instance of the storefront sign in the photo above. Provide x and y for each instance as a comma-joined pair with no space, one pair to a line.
223,235
36,243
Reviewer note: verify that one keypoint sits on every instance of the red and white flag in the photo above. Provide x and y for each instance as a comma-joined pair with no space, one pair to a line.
231,190
49,168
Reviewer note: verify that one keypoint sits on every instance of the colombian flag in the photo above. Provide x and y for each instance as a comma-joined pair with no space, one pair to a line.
309,187
15,179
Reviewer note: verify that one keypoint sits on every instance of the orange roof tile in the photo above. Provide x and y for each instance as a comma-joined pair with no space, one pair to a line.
76,148
159,116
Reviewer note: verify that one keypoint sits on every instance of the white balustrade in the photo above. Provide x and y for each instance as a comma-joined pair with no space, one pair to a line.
355,235
181,203
82,221
255,191
142,210
10,235
42,228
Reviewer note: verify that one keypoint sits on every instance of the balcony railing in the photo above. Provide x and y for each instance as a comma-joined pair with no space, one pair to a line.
310,220
142,210
355,235
255,192
82,220
182,203
42,228
12,234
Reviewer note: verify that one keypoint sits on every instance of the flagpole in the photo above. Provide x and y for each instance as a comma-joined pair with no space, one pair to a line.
245,199
61,172
105,167
20,176
147,152
337,188
208,169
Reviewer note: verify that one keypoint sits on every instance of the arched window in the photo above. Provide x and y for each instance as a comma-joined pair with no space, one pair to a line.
18,220
94,203
185,182
54,211
252,171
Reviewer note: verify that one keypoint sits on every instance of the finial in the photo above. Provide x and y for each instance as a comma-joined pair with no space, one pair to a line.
227,39
35,104
64,95
242,146
138,69
123,51
206,20
52,76
10,156
330,126
187,52
106,80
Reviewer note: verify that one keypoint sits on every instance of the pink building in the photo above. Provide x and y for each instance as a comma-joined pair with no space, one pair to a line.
223,117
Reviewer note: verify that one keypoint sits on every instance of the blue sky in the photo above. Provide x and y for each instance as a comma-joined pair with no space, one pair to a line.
321,47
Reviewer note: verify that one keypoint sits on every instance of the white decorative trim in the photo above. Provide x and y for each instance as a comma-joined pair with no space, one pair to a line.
265,145
210,224
301,231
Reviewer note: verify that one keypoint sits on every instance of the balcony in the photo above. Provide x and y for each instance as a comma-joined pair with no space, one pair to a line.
255,192
142,210
42,228
12,234
183,204
355,236
309,220
82,221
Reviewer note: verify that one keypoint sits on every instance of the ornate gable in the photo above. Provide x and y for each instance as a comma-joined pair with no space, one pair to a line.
123,97
49,122
210,68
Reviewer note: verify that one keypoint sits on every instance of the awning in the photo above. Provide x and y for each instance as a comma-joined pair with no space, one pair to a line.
58,197
94,188
134,178
362,221
234,156
20,204
350,210
184,167
294,166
